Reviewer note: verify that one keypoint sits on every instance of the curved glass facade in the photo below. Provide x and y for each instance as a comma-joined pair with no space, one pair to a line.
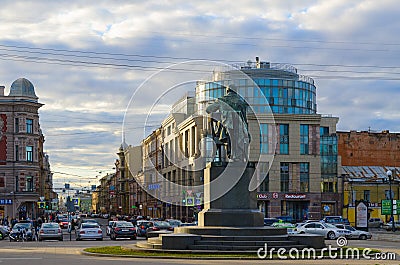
283,95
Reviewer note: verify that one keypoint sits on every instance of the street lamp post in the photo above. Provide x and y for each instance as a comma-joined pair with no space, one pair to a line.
389,174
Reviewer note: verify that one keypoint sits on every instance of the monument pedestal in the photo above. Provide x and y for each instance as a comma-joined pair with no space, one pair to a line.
230,221
237,207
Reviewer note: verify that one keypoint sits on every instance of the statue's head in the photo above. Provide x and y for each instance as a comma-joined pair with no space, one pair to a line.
231,89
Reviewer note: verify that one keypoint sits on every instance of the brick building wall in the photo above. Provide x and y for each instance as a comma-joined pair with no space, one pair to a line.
369,148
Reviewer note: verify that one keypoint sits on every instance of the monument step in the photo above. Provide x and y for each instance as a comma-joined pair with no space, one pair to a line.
245,238
147,245
243,248
154,240
245,243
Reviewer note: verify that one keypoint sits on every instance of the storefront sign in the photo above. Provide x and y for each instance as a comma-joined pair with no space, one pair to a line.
263,196
5,202
294,196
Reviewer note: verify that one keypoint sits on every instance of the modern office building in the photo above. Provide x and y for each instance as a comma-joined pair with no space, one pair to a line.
294,147
302,179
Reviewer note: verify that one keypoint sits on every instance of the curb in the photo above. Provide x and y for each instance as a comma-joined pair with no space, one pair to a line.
166,257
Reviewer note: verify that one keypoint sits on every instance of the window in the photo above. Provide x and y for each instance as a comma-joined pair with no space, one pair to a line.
16,183
304,139
2,182
264,176
284,139
263,138
323,131
29,183
264,186
304,177
29,126
16,125
284,177
29,153
367,195
16,153
387,194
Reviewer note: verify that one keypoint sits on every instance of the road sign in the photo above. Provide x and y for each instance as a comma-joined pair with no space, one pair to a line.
386,207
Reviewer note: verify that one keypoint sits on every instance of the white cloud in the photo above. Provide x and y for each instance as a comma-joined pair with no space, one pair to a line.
116,38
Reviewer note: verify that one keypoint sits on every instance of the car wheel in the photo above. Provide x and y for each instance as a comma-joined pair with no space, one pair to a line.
60,239
100,239
133,238
363,237
331,235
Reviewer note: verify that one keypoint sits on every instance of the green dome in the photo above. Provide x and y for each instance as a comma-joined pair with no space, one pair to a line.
22,87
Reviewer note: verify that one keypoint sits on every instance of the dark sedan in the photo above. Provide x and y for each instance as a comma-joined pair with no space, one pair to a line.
141,227
122,229
25,226
158,227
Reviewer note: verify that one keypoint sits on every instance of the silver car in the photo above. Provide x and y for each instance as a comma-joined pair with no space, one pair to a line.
50,231
354,233
329,231
89,231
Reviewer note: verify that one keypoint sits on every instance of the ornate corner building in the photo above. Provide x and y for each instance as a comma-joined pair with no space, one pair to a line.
24,168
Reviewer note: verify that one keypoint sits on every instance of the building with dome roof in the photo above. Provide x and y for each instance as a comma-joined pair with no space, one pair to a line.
25,174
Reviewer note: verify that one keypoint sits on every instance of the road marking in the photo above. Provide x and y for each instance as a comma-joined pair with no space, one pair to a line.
17,258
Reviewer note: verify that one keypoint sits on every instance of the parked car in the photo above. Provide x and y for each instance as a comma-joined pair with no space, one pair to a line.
141,227
329,231
336,220
286,219
375,222
355,233
23,225
50,231
188,224
109,226
4,232
270,221
389,226
88,231
173,222
122,229
289,226
159,227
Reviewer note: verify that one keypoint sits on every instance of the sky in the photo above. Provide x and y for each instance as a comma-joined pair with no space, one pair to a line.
89,60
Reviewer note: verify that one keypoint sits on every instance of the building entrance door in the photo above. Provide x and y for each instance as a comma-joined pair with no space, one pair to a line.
297,209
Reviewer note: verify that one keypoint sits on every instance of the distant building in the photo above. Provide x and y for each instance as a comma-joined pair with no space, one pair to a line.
25,174
365,148
366,157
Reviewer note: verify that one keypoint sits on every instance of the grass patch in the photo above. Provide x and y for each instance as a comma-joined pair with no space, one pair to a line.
118,250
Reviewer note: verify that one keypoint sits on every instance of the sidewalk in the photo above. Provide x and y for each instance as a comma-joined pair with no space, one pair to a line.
385,235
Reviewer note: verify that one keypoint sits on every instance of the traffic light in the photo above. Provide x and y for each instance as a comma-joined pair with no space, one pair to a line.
41,205
47,205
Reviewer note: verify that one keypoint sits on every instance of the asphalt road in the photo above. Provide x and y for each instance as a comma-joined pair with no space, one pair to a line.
69,252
